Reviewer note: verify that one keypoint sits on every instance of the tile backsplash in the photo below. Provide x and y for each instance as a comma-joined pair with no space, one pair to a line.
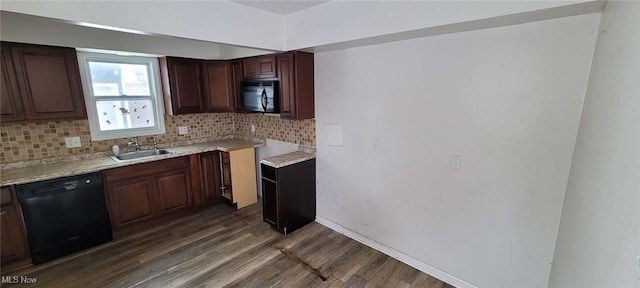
41,140
273,127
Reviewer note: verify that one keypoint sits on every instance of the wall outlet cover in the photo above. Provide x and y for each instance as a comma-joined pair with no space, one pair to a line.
638,263
455,161
183,130
72,142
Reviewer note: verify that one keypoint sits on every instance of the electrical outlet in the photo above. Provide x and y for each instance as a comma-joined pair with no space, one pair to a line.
72,142
183,130
638,264
456,160
337,200
253,128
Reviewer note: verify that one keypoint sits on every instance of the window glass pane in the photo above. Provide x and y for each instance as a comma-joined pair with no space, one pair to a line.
113,115
115,79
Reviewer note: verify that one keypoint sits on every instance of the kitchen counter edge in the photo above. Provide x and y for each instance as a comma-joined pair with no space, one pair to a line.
70,168
287,159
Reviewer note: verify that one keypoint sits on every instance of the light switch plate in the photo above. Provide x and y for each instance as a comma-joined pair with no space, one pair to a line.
638,263
183,130
72,142
455,161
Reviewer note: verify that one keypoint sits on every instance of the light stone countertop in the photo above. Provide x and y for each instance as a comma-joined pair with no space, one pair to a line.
76,167
287,159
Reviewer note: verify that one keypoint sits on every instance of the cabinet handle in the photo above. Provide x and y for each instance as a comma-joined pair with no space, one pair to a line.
264,100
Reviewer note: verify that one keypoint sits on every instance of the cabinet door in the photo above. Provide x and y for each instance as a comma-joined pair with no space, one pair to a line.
218,86
174,191
267,67
236,81
11,105
49,82
13,245
295,71
185,86
287,86
243,177
131,201
270,202
210,177
259,67
250,68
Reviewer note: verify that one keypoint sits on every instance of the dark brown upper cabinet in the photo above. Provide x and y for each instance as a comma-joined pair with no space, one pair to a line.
182,85
259,67
219,92
40,83
11,104
295,75
236,81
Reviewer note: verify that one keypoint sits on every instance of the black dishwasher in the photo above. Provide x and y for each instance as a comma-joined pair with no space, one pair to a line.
64,215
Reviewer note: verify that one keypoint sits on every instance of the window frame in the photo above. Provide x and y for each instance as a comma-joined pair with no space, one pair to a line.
90,99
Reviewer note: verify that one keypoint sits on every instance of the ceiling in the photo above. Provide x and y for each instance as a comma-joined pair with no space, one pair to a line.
282,7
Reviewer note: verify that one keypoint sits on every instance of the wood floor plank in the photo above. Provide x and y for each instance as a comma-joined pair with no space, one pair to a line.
223,247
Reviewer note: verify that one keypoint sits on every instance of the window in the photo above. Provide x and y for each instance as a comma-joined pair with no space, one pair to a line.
122,95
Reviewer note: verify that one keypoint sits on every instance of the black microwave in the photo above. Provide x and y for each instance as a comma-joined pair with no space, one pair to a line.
260,96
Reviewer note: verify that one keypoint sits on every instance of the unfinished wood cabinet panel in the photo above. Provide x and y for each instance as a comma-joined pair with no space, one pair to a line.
242,174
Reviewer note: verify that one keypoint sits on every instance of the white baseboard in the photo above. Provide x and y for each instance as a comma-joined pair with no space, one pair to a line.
404,258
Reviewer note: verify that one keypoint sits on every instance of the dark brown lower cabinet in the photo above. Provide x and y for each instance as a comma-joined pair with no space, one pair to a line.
289,195
131,201
210,177
173,190
141,193
13,242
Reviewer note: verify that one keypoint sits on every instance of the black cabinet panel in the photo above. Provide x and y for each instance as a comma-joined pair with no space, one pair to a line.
269,202
289,202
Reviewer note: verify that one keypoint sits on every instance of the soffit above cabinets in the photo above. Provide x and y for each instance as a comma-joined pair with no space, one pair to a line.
281,7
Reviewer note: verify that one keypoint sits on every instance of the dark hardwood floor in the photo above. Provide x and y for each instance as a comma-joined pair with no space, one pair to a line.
221,247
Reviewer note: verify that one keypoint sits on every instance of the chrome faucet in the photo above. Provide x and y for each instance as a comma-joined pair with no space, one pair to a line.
135,144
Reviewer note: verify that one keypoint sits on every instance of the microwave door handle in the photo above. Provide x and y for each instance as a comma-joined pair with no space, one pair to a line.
264,100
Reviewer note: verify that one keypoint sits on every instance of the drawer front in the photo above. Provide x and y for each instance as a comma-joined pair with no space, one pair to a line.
268,172
149,168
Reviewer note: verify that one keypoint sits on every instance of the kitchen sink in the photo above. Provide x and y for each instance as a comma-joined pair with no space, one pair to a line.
140,154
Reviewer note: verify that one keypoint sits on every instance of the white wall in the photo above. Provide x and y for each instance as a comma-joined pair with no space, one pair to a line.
330,23
37,30
599,235
507,99
216,21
